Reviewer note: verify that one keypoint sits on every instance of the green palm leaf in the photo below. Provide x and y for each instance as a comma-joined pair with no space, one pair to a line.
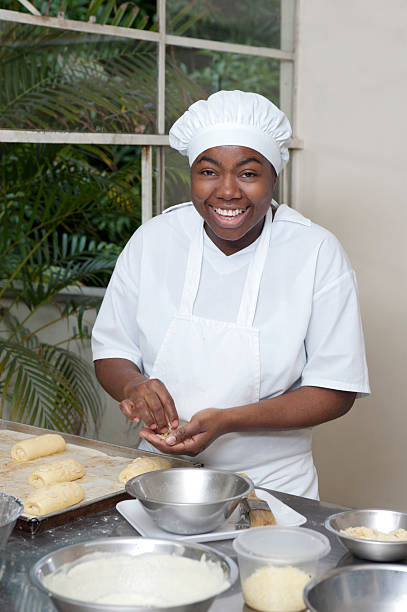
75,81
47,386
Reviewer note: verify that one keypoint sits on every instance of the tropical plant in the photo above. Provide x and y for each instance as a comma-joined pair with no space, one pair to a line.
62,80
67,80
42,383
137,14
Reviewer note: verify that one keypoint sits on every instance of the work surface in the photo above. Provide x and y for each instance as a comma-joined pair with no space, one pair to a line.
18,595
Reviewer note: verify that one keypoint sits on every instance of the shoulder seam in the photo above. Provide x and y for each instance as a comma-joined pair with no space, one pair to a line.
176,207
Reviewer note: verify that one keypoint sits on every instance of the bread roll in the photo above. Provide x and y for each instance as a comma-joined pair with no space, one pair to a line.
142,465
54,497
37,446
65,470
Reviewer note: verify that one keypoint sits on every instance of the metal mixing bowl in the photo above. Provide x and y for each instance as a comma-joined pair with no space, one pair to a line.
132,546
373,550
189,501
10,509
359,588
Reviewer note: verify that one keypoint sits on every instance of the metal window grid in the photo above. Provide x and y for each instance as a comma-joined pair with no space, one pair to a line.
285,55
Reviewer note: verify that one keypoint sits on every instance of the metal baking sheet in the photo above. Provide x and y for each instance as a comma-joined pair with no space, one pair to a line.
102,461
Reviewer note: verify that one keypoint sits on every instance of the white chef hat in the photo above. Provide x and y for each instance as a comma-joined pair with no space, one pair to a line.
233,118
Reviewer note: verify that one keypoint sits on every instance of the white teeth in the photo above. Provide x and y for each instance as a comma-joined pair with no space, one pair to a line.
229,213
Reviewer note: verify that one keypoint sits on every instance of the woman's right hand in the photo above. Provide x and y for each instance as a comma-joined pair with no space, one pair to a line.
150,401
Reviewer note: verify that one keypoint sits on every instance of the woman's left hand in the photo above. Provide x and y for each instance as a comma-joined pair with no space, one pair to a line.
192,438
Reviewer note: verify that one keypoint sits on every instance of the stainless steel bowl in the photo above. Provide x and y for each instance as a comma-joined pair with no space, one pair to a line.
189,501
373,550
359,588
10,509
132,546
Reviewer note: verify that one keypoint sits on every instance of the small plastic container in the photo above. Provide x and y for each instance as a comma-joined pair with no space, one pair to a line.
276,563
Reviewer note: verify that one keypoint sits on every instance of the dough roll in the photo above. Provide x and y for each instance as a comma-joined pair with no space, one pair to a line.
38,446
54,497
65,470
142,465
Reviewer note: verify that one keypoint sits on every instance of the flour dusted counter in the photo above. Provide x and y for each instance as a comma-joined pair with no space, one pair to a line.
102,463
17,594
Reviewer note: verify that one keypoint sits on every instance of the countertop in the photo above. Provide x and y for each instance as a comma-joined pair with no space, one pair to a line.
17,594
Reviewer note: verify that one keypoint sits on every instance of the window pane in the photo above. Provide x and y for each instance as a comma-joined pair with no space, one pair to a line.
177,181
61,80
126,14
245,22
194,74
87,190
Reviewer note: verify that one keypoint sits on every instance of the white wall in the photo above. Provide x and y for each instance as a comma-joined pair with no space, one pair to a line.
351,177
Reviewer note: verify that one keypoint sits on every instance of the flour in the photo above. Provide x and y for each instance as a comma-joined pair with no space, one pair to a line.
146,580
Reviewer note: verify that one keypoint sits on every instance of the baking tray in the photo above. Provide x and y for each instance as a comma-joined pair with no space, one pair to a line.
36,525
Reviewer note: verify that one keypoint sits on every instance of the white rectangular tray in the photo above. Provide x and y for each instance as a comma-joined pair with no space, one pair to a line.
135,514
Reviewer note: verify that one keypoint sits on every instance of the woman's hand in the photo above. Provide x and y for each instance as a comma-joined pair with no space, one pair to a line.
150,401
140,398
193,437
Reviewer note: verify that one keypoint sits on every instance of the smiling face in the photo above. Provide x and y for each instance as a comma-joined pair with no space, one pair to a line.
232,188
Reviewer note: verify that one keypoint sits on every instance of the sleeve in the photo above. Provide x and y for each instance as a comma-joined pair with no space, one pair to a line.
334,341
115,333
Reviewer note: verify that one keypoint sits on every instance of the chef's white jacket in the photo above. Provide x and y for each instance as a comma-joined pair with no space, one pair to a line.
307,312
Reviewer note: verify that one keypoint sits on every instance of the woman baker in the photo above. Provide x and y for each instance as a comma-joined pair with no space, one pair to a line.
230,319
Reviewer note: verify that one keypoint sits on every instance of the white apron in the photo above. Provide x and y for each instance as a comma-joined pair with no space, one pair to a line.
205,363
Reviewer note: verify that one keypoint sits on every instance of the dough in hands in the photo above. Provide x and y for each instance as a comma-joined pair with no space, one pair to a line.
54,497
142,465
37,446
65,470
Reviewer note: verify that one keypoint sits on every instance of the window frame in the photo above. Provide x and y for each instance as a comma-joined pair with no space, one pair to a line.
287,56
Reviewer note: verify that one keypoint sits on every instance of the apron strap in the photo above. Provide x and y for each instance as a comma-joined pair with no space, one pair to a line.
193,271
251,289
